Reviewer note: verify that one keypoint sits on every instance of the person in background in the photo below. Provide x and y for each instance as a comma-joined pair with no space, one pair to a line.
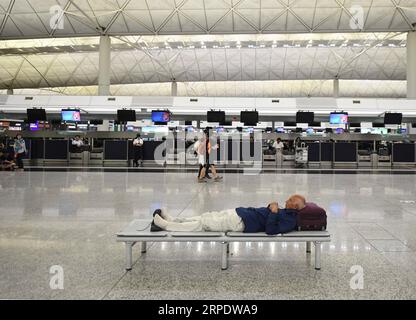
79,145
297,143
6,162
278,145
19,150
204,150
138,151
77,142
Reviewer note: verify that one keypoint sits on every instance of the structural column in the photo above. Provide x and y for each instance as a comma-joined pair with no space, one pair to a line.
174,89
336,88
104,71
411,65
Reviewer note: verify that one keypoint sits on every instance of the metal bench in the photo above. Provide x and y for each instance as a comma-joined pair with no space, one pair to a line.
139,231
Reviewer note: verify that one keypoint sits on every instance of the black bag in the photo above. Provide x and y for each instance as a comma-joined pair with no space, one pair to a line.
311,218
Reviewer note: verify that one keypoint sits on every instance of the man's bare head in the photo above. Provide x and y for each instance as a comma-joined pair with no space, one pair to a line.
296,201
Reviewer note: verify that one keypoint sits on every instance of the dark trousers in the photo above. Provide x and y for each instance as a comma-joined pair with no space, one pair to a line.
19,160
137,155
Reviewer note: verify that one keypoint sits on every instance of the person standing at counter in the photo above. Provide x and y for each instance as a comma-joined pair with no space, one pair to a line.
138,150
278,145
19,150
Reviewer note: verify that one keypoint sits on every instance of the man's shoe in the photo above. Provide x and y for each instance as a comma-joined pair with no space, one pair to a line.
208,177
203,180
155,228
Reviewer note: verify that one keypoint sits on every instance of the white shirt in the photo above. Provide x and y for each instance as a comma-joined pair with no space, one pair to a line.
196,145
138,142
77,143
278,145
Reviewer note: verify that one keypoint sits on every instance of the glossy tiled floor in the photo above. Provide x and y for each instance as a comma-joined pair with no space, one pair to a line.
69,219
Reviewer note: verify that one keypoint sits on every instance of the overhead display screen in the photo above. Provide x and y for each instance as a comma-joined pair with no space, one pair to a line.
126,115
160,116
393,118
338,118
34,115
305,117
71,115
216,116
249,118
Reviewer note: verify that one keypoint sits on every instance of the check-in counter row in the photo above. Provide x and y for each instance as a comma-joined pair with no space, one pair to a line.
41,151
61,150
344,153
121,151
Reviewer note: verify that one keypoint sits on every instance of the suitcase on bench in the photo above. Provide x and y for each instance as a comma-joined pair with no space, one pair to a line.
311,218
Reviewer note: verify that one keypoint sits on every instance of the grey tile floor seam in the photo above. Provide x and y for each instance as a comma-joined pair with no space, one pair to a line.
149,246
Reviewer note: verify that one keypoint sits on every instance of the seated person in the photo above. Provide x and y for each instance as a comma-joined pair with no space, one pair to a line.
6,162
78,145
270,219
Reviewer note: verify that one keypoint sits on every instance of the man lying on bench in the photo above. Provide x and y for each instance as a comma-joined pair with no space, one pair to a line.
271,220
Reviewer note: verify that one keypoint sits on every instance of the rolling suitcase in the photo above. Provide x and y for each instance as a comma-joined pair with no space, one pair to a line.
312,218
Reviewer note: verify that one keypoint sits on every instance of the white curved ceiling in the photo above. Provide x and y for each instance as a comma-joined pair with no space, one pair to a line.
210,47
75,63
32,18
287,88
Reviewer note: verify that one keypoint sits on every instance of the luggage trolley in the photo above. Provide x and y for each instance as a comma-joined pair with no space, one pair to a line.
301,155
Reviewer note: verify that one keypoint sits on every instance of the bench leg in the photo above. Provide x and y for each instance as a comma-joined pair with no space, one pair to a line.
224,259
318,247
129,255
228,248
143,248
308,247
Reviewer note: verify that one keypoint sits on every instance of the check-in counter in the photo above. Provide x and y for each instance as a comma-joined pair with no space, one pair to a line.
314,153
345,154
327,154
365,158
115,148
403,154
115,153
149,149
383,156
37,152
26,158
56,151
96,158
251,153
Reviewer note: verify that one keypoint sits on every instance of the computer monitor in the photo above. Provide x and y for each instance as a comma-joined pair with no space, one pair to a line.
338,118
305,117
124,115
160,117
216,116
71,115
249,118
34,115
393,118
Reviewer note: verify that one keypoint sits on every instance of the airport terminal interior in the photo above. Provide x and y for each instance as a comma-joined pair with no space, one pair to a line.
277,138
